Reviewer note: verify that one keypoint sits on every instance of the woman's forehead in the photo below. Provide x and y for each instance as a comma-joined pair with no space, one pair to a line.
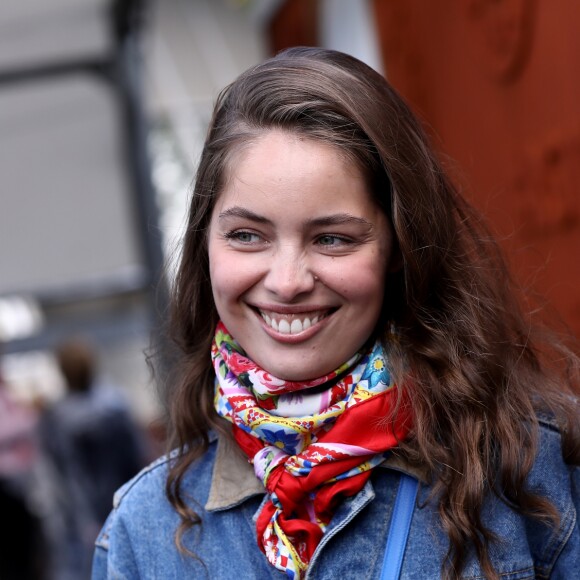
298,173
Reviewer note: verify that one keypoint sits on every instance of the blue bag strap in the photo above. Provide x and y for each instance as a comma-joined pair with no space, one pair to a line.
399,528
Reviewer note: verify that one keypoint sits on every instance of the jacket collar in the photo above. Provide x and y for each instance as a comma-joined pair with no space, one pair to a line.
233,479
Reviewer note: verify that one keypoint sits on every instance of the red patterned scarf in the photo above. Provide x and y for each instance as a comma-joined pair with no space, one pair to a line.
310,449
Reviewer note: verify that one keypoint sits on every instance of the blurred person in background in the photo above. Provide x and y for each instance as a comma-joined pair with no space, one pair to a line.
360,394
94,445
24,553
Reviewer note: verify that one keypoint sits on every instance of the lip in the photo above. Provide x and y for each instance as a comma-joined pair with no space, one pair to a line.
325,312
292,308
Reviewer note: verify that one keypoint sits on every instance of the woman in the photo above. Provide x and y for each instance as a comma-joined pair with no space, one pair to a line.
363,334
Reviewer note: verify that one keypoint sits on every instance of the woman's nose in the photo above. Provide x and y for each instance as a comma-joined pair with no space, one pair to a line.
289,275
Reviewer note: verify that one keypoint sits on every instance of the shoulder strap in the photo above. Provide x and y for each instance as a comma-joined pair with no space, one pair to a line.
399,528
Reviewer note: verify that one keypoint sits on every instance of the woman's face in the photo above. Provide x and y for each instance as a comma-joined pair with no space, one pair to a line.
298,255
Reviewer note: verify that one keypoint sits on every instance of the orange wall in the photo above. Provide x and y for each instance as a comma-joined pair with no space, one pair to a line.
294,24
499,82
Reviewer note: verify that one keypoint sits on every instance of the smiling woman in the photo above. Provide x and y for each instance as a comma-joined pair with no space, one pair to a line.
347,328
298,253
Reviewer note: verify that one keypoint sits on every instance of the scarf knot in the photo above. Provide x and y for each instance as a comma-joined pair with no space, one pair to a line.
311,443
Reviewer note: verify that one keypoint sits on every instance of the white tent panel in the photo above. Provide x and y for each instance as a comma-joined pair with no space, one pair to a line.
65,215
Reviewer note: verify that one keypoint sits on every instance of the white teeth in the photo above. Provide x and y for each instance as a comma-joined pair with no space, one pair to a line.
296,326
292,326
283,327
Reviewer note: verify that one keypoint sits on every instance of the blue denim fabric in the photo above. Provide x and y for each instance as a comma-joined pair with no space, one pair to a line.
138,539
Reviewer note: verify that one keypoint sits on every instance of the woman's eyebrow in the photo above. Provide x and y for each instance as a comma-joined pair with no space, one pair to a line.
338,219
327,220
242,212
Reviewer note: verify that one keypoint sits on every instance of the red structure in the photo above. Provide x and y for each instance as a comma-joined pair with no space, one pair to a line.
498,82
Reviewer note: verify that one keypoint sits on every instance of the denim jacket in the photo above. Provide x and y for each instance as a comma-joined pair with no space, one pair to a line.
138,539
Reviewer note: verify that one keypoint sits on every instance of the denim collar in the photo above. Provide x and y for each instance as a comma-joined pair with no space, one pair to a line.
233,479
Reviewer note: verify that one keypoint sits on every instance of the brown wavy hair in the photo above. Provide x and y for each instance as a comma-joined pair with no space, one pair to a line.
475,367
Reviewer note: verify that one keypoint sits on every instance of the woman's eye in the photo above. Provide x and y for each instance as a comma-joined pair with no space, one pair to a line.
328,240
243,237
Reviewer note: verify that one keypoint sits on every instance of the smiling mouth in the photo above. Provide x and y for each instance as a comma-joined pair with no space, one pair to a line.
293,323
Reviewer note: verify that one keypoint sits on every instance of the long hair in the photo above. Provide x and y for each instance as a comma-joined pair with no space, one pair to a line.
474,366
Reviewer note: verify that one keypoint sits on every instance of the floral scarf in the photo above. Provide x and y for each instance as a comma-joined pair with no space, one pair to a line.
310,445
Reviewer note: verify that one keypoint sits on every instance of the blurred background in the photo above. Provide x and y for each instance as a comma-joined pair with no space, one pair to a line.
103,110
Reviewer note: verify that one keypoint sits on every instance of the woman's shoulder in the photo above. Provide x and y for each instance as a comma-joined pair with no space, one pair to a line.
142,504
555,479
142,523
550,452
138,539
555,548
150,483
147,481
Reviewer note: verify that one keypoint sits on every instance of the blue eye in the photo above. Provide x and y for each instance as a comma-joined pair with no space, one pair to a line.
246,237
329,240
243,237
